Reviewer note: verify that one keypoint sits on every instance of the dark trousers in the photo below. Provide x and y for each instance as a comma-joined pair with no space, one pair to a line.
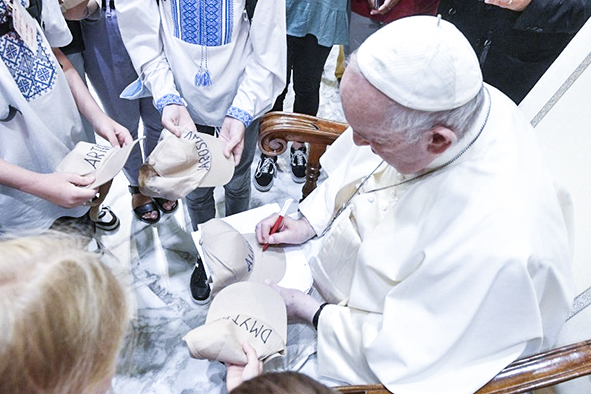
306,58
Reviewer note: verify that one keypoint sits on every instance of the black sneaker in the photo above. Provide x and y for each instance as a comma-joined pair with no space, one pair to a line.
299,160
266,171
200,291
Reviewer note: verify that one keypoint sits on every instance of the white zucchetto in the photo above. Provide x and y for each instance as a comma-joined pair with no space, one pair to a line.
421,62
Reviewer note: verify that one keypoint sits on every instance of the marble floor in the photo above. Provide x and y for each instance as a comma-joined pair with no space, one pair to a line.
157,262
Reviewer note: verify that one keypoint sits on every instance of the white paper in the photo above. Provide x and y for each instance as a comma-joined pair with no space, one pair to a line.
297,271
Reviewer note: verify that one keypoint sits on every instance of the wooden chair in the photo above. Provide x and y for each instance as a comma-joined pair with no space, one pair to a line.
530,373
277,128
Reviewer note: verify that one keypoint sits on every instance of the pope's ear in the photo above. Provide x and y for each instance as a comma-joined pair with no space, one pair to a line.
440,138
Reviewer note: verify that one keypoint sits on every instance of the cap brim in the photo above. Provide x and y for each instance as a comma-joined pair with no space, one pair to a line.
252,299
222,167
268,265
222,339
242,312
113,164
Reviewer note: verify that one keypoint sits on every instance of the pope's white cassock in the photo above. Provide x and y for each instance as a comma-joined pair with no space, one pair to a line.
455,274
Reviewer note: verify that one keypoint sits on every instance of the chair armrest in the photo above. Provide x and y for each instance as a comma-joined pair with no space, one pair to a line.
276,129
363,389
542,370
523,375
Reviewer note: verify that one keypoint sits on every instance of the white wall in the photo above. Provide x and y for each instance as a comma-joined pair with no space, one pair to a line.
559,107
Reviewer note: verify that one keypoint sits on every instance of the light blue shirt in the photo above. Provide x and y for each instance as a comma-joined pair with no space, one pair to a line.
328,20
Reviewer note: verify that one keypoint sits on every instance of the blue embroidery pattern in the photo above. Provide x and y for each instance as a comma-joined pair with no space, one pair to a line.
229,20
169,99
241,115
204,22
175,17
34,75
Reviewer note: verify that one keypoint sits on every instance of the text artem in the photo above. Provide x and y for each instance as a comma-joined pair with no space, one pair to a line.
96,155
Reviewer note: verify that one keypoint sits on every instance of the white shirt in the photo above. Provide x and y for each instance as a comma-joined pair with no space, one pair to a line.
173,45
468,269
45,129
55,27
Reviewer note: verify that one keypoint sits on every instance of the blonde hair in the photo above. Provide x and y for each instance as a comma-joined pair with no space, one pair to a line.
63,315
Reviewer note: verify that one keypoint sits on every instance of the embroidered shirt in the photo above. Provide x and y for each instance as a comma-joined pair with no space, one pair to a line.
206,55
34,89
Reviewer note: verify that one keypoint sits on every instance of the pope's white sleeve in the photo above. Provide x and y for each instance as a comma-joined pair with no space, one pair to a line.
140,27
318,207
266,69
341,353
432,337
315,208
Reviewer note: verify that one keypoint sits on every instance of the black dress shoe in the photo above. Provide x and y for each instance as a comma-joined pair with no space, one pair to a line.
200,291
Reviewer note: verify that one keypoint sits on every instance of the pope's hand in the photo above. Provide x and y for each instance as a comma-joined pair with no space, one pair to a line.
293,232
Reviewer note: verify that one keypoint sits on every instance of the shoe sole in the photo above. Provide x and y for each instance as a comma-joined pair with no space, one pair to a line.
296,179
202,302
111,226
263,189
150,222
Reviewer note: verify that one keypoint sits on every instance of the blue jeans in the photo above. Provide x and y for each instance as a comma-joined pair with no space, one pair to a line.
200,201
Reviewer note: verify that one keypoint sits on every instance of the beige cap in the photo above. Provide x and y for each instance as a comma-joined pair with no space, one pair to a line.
233,257
421,62
244,312
177,166
102,161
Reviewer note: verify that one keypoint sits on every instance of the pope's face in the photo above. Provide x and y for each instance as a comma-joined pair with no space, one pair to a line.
365,110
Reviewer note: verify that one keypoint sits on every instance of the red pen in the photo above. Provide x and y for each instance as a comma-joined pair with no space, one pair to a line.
278,221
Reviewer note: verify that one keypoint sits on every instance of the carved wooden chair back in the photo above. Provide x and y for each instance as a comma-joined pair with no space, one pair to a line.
276,129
